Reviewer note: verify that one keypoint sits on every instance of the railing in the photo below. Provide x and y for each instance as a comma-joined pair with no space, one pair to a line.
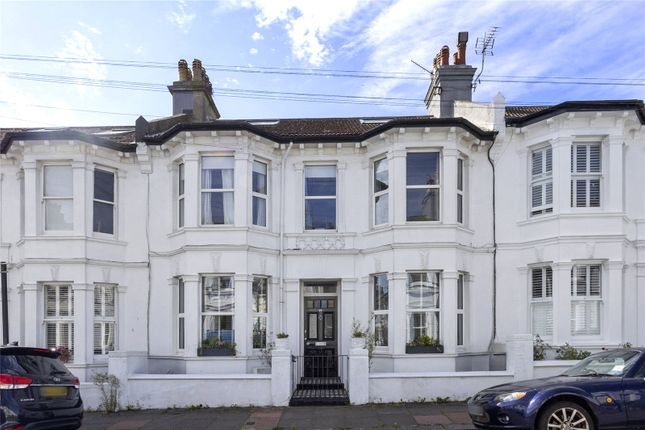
319,372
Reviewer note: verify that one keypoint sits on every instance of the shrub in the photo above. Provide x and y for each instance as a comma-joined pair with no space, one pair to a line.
539,348
216,343
65,354
109,386
425,341
357,330
282,335
568,352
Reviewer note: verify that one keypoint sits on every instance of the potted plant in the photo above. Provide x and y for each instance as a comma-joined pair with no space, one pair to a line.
424,345
214,347
282,341
358,335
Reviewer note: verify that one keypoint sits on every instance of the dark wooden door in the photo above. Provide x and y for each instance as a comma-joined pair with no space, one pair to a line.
321,332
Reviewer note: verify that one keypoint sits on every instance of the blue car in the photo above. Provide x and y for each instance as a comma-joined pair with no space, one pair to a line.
603,391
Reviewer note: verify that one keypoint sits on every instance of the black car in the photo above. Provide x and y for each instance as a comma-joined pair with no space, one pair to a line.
37,392
605,390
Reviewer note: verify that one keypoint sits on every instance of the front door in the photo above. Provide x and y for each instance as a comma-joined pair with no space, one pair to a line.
321,333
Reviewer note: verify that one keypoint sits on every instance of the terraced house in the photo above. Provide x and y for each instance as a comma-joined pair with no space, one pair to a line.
172,252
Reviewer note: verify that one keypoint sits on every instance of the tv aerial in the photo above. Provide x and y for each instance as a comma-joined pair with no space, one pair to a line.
484,46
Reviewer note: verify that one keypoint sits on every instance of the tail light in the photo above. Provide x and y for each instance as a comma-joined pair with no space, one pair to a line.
13,382
77,383
15,427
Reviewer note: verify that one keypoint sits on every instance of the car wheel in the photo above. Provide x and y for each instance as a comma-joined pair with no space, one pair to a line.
565,416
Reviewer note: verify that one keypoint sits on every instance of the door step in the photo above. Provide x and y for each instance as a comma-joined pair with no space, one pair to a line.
328,391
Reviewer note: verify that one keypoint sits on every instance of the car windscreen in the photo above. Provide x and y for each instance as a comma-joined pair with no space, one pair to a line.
610,363
24,364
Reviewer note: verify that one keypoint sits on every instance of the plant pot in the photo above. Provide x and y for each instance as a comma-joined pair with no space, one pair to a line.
282,343
358,342
424,349
215,352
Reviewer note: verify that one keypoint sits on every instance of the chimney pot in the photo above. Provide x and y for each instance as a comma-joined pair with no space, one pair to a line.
460,55
184,72
198,71
445,55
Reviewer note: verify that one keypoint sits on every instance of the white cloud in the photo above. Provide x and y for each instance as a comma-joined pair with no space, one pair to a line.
181,18
90,28
77,45
253,51
309,24
257,36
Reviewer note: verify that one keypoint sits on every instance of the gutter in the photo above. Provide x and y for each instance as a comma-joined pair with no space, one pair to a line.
494,330
282,200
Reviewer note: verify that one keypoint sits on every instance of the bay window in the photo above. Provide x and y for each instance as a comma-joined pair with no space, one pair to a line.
586,173
217,190
381,191
542,181
423,305
218,308
104,202
58,198
380,308
542,301
320,197
59,316
104,318
260,310
259,193
422,186
586,299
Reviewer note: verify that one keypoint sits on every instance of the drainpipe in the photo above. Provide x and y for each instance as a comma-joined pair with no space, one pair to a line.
494,330
282,199
5,305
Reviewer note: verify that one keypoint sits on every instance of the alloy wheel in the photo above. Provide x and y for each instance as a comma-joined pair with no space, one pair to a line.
567,419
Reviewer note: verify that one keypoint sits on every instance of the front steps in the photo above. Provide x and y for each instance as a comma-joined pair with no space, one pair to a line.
327,391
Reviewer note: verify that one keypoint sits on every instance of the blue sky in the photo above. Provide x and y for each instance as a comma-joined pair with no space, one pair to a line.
580,40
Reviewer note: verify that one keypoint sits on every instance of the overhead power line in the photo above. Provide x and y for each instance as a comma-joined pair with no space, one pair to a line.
345,73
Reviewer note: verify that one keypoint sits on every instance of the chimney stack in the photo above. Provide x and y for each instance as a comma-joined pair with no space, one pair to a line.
193,93
450,82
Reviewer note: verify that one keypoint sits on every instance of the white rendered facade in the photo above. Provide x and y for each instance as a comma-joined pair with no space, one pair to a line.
155,246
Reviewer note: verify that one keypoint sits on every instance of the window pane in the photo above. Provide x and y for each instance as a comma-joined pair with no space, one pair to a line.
581,193
259,177
381,175
259,332
51,335
217,294
217,208
217,172
417,325
380,330
181,213
548,193
542,318
103,218
98,301
65,301
536,283
181,337
260,295
381,292
594,158
328,328
536,196
460,329
59,214
381,209
549,282
180,297
320,214
594,280
422,168
460,208
58,181
320,180
259,211
313,326
103,185
460,292
594,193
50,294
536,163
581,158
218,327
549,160
97,339
422,204
181,179
109,300
460,174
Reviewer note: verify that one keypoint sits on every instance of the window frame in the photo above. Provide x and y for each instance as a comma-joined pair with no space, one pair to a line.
181,195
587,176
203,313
265,197
105,320
587,299
432,275
57,319
436,186
114,174
545,298
377,194
257,314
325,197
180,332
45,198
380,312
222,191
461,310
543,179
461,192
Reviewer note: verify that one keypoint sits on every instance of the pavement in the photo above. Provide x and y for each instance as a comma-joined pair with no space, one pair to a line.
435,416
